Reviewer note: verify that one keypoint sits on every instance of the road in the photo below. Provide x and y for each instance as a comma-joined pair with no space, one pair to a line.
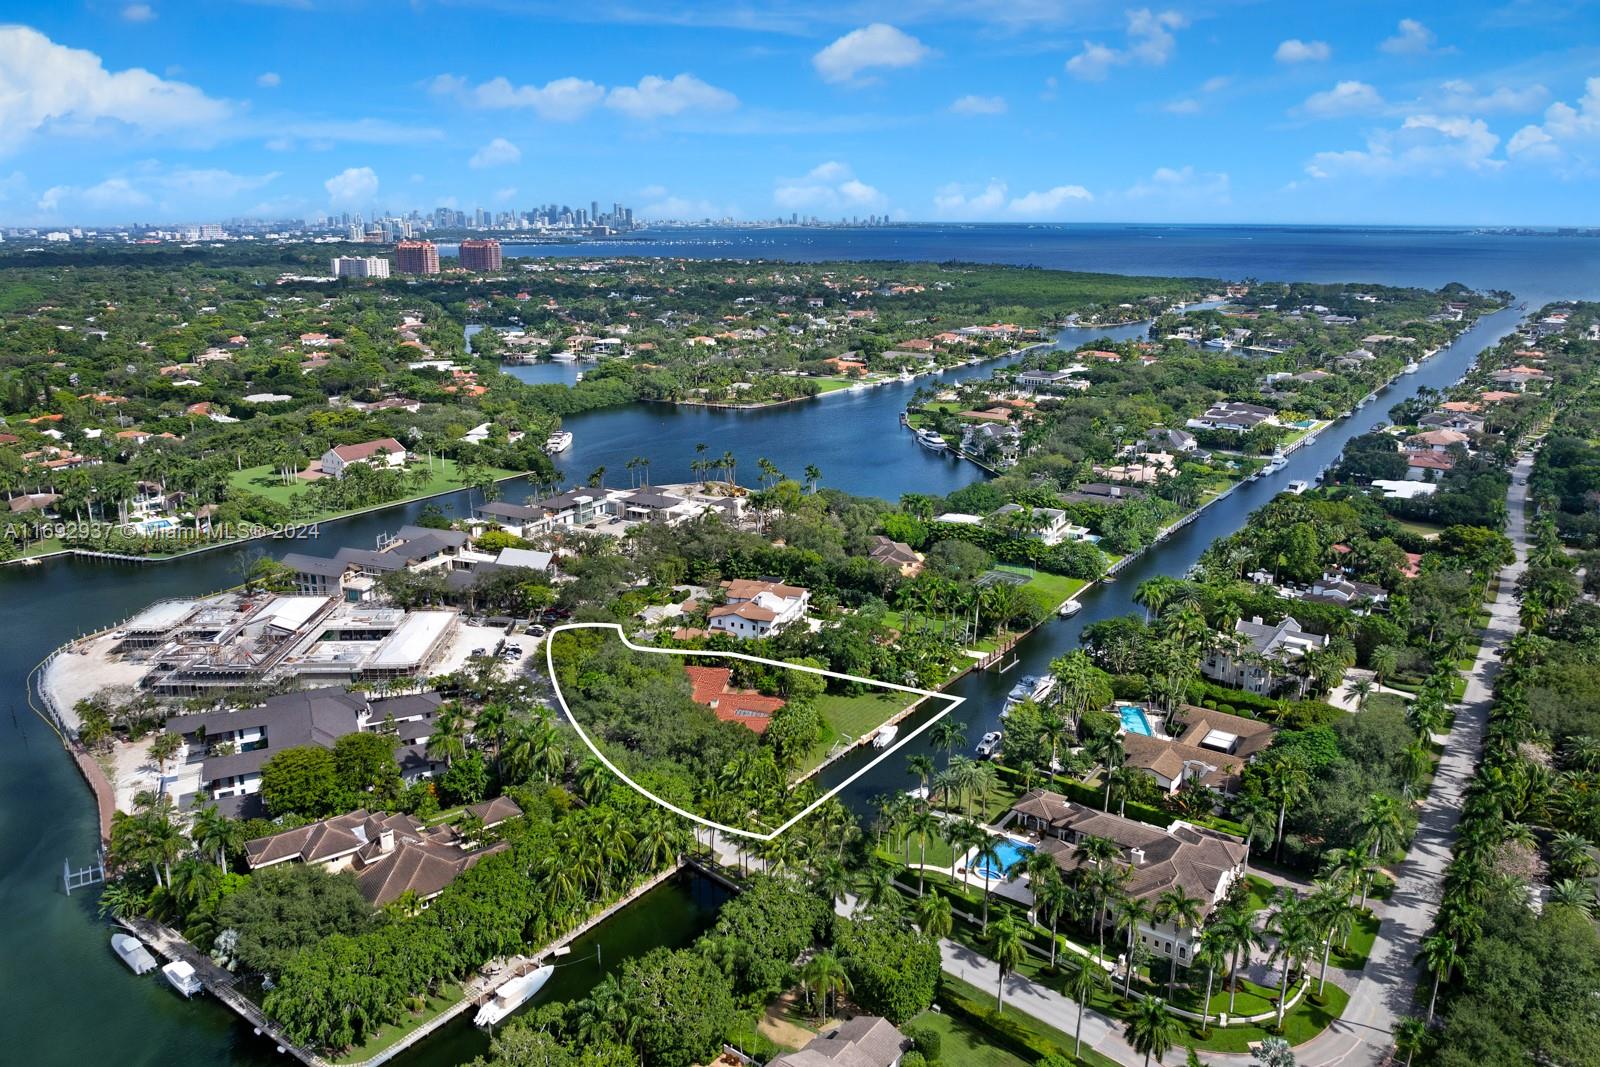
1387,987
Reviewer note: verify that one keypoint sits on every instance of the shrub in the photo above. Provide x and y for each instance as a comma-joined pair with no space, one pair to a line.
928,1041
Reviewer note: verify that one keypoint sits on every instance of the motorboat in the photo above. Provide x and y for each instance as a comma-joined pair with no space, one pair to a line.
1069,609
990,744
1031,687
885,736
131,950
559,441
513,995
1346,414
931,440
1298,486
182,976
564,357
1410,368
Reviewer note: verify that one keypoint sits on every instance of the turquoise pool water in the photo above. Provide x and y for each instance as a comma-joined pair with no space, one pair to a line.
1134,720
1012,855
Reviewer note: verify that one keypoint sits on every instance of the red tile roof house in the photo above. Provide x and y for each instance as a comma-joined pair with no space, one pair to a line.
712,686
385,452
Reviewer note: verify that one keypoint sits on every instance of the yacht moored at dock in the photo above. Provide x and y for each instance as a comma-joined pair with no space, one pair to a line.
1069,609
182,977
559,441
989,745
931,440
131,951
513,995
1031,687
1410,368
885,736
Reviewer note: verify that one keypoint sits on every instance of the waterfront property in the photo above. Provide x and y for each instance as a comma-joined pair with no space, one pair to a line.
713,687
1199,744
1203,863
233,641
897,554
384,452
1265,656
1234,416
226,749
611,511
389,855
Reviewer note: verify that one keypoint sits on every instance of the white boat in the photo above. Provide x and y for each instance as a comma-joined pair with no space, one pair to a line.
131,951
1346,414
1031,687
1069,609
564,357
1297,487
885,736
559,441
182,977
989,745
513,995
1410,368
931,440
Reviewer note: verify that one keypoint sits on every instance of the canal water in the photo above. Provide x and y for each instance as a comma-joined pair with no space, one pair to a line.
68,999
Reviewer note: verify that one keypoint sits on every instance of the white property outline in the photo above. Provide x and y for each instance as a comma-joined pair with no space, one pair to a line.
555,683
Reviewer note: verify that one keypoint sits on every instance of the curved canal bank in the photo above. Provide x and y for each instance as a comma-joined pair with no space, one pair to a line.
69,998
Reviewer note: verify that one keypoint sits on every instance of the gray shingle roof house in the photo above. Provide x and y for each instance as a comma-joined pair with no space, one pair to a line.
1269,652
865,1041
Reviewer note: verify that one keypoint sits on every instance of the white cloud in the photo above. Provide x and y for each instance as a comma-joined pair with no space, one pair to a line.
1424,144
829,186
505,195
1186,106
662,205
1193,105
210,183
497,153
1567,132
1174,184
656,97
114,193
353,185
979,105
877,45
269,80
1345,98
150,187
1412,39
49,87
1150,41
1048,202
138,13
325,133
1294,50
955,201
1462,96
561,100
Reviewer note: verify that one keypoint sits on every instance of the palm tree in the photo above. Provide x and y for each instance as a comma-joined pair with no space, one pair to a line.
1052,898
215,833
935,916
1334,913
1234,929
1439,957
988,861
1150,1029
1361,690
922,825
813,476
1287,782
1569,854
825,975
1107,749
922,766
1131,912
1088,979
1409,1035
1009,950
949,735
1184,913
163,747
1383,824
1296,938
1211,954
832,880
448,741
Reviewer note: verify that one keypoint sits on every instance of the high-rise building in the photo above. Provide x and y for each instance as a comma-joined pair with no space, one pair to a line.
480,255
360,267
416,257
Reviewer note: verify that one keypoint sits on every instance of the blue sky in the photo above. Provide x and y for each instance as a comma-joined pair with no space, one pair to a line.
1020,110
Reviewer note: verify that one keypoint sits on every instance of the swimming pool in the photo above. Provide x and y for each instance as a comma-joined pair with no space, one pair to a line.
1134,720
1012,855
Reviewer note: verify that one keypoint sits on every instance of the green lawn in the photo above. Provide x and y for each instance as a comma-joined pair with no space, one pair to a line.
264,481
1010,1027
1353,956
855,716
962,1043
833,385
388,1034
1052,588
1423,529
1258,892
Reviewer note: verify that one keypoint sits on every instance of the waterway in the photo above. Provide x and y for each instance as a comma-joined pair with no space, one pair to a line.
69,1000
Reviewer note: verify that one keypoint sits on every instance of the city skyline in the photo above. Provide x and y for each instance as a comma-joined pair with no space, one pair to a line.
167,113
